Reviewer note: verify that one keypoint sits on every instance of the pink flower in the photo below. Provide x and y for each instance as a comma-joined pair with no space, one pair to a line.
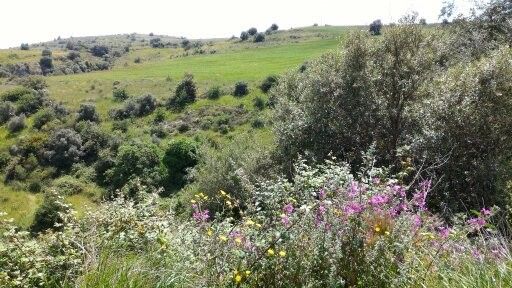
320,212
353,189
485,212
200,216
477,223
444,232
420,197
398,190
378,200
288,209
321,194
416,222
353,208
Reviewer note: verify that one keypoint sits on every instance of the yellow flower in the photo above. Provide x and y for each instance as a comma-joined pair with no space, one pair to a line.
193,201
387,232
270,252
247,272
250,222
238,278
377,229
238,240
210,232
223,238
258,225
222,193
282,253
228,202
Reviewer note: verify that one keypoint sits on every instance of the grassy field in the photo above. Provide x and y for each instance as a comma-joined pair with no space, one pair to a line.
158,73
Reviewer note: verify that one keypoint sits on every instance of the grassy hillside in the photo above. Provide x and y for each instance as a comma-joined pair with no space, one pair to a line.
221,63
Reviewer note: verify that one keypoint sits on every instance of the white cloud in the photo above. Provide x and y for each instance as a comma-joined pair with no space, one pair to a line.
35,20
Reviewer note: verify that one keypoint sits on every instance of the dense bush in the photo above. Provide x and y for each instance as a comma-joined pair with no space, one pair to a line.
244,36
268,83
135,161
375,27
30,103
87,112
16,123
46,52
240,89
274,27
252,31
100,50
179,157
46,64
94,139
34,82
43,117
259,103
67,186
214,93
184,94
260,37
156,43
7,110
50,214
73,55
137,107
15,94
63,148
24,46
120,94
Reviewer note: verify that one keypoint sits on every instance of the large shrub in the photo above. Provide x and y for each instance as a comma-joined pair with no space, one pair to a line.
50,215
63,148
15,94
94,139
260,37
87,112
268,83
137,107
252,31
375,27
180,156
7,110
43,117
120,94
100,50
240,89
184,94
46,64
16,123
138,160
244,36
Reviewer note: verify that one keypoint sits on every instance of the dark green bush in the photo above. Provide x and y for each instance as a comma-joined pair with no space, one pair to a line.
94,139
87,112
214,93
135,160
30,103
16,124
375,27
63,149
180,155
137,107
7,111
274,27
100,50
42,117
184,94
120,94
49,214
252,31
268,83
241,89
34,82
257,123
46,64
24,46
260,37
156,43
259,103
15,94
244,36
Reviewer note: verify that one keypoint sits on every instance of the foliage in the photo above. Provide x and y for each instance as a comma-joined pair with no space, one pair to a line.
252,31
244,36
100,50
24,46
214,93
184,94
274,27
156,43
137,107
7,110
87,112
138,160
260,37
50,215
180,156
63,148
15,94
43,117
375,27
46,64
241,89
120,94
16,123
269,82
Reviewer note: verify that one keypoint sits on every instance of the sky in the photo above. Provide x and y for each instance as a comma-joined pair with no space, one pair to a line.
32,21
